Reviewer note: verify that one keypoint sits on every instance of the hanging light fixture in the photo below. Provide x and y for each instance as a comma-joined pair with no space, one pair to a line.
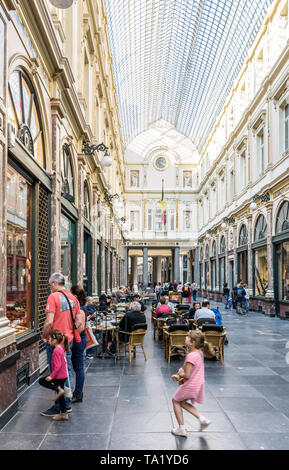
63,4
106,161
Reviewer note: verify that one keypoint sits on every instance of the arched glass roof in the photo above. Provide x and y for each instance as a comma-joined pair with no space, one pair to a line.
177,59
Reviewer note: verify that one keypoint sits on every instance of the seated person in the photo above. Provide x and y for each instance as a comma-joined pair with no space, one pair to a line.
170,304
137,298
193,308
205,312
133,317
163,307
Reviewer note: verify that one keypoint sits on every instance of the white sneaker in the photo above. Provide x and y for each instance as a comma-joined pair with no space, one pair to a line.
179,432
204,425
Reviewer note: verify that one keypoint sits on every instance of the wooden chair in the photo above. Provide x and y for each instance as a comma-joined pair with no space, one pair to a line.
176,340
217,340
136,338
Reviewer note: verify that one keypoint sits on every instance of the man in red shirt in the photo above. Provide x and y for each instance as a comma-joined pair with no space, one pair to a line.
58,317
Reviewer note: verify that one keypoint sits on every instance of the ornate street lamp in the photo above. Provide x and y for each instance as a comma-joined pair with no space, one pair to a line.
263,197
230,220
62,3
90,149
110,197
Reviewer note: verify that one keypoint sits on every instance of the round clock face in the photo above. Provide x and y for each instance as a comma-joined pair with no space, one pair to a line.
161,163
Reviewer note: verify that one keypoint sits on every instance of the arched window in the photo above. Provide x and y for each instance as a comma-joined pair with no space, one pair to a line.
214,249
67,174
86,201
24,115
243,237
260,229
223,245
207,252
282,221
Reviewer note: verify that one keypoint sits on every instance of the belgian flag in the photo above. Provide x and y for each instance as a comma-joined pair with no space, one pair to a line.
163,204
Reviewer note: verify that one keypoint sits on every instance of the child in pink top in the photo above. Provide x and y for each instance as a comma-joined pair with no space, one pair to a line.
55,381
193,375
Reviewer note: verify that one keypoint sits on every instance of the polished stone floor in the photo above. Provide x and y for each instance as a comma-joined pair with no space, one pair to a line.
129,406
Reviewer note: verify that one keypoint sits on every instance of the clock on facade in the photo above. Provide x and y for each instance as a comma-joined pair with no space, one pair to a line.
161,163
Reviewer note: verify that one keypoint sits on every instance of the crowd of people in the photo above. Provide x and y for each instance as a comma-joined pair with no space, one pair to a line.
64,334
65,338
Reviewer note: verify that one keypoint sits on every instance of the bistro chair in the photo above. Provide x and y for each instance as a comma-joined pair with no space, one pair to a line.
136,338
206,321
216,336
175,341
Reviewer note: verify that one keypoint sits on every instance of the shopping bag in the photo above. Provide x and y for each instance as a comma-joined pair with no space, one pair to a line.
91,339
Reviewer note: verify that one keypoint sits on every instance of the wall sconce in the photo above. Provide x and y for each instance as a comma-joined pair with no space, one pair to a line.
110,197
263,197
61,3
230,220
89,149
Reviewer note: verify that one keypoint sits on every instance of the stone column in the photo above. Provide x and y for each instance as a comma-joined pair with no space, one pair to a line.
145,267
159,268
270,290
57,115
103,271
177,264
235,253
250,263
190,267
94,218
227,259
197,267
80,223
125,274
218,287
134,273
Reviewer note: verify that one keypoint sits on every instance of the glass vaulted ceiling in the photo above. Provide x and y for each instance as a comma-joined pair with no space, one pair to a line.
177,59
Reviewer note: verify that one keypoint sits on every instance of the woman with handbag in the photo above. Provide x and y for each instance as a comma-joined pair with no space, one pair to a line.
79,349
55,381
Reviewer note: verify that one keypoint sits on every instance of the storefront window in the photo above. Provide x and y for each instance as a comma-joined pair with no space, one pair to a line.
222,271
261,271
283,270
19,252
67,247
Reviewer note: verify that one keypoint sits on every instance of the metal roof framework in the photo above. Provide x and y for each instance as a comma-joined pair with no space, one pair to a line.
177,59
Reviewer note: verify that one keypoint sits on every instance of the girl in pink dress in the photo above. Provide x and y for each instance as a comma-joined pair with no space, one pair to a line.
193,374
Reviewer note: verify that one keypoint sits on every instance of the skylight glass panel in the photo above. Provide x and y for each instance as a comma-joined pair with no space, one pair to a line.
177,59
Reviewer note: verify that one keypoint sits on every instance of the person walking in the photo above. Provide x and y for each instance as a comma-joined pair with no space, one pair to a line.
79,349
193,373
55,381
246,298
62,313
226,293
194,291
158,291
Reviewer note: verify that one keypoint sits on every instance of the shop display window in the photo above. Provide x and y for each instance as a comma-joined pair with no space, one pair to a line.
222,271
19,252
261,271
67,246
283,270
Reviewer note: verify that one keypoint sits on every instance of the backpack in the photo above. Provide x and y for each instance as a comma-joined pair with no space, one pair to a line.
218,316
240,292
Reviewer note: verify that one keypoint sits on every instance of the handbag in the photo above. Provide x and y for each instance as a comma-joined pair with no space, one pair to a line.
91,339
76,335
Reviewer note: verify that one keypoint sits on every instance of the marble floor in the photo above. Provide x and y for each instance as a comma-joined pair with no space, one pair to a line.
129,406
